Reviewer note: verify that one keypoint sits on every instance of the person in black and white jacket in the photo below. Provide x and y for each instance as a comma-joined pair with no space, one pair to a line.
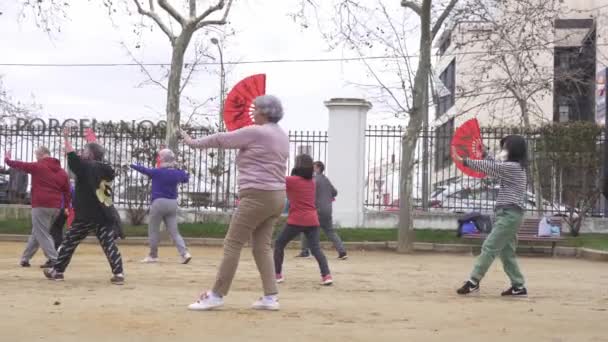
510,171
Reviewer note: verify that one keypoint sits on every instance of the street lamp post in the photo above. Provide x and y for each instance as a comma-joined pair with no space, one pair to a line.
216,42
221,153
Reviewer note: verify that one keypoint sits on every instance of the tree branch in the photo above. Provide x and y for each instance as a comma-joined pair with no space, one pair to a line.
414,6
442,18
172,12
199,54
201,22
154,16
143,68
192,7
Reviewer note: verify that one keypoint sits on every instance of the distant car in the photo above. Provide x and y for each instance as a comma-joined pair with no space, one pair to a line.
4,188
481,197
394,206
5,198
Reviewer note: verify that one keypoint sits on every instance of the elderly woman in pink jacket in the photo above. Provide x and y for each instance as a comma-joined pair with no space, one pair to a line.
261,162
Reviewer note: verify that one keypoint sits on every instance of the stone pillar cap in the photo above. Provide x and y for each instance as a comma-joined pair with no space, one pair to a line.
340,101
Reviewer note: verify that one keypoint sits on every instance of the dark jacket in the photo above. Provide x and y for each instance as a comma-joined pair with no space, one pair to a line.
50,182
324,194
93,189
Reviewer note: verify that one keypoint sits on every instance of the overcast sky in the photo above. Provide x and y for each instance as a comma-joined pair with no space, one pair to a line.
263,31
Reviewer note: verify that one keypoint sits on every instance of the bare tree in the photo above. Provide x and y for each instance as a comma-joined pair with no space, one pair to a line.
508,48
190,22
47,14
401,79
199,111
510,69
11,109
165,15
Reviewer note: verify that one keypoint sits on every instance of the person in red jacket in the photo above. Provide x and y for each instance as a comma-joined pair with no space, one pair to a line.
50,184
302,218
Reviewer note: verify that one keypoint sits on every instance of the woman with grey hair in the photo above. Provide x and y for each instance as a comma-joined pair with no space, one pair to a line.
261,162
163,207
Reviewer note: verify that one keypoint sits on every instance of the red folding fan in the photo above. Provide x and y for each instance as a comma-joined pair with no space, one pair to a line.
89,135
238,107
468,144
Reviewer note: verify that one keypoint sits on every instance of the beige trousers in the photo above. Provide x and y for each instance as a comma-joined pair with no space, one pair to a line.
254,220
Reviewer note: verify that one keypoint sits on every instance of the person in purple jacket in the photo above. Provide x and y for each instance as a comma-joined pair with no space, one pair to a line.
164,204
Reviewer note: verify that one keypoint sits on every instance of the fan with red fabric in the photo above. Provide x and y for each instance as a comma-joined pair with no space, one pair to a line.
468,144
71,216
89,135
238,107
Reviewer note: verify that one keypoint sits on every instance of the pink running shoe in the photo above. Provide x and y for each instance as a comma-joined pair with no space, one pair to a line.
327,280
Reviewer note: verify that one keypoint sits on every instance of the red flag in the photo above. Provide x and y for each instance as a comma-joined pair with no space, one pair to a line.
89,135
158,161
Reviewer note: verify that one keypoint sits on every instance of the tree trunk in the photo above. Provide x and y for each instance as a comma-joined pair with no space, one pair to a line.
535,160
173,87
405,241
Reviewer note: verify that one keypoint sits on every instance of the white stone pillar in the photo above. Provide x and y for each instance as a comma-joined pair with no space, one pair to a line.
346,158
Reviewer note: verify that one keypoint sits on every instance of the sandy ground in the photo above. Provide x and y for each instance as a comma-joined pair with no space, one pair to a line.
377,297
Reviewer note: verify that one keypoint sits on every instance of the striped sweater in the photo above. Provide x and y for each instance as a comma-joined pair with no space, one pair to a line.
512,178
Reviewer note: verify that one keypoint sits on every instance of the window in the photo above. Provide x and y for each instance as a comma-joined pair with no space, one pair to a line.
574,23
564,113
448,78
443,139
564,61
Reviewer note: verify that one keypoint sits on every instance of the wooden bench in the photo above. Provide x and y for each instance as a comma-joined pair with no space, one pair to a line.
528,232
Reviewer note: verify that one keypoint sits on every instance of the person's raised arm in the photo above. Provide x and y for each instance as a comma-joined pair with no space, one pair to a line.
235,140
142,169
185,177
23,166
74,162
490,167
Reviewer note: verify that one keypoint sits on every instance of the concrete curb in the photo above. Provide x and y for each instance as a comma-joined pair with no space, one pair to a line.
428,247
592,254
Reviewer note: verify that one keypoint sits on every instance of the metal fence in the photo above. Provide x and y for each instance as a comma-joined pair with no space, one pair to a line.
440,186
213,172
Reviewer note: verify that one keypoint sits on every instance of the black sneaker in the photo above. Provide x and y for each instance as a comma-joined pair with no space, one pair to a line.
25,264
118,279
468,288
515,292
47,264
51,274
342,256
303,255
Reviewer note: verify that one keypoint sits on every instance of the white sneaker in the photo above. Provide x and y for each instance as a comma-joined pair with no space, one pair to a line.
149,260
207,301
186,258
270,303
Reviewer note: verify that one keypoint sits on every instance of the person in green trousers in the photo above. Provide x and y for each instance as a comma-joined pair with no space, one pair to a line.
510,170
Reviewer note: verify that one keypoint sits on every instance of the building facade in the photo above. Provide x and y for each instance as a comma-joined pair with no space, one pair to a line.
523,69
